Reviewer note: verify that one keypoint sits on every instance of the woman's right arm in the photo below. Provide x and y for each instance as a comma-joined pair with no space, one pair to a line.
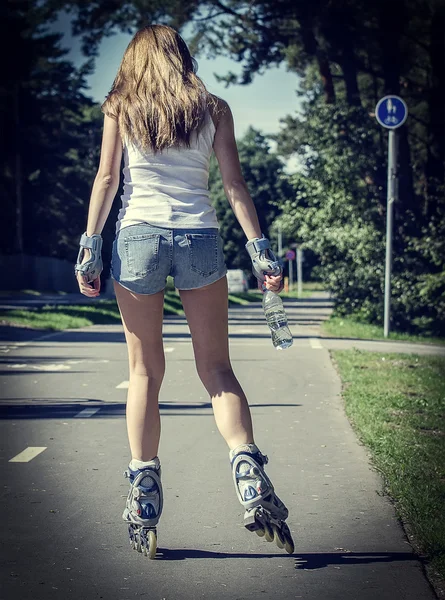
235,187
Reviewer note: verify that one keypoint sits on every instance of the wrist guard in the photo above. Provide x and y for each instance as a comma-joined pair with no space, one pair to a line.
263,259
91,268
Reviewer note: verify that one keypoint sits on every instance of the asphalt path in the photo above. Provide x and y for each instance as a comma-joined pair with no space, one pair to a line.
63,395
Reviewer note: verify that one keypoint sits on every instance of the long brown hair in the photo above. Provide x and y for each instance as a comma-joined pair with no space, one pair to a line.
156,97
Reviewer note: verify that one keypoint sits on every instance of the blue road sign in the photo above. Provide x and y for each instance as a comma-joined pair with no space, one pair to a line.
391,112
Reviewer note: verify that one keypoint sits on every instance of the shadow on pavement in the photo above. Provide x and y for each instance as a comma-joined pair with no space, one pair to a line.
109,337
60,408
306,561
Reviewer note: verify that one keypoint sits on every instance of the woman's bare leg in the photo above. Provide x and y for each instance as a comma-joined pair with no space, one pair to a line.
206,310
142,317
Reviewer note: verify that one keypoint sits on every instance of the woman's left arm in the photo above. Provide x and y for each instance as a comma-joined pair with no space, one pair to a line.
105,186
106,182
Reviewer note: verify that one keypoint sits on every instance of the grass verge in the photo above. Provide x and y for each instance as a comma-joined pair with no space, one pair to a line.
106,312
396,403
57,317
347,327
102,312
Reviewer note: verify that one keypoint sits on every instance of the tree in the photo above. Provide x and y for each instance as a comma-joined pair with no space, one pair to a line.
348,54
54,132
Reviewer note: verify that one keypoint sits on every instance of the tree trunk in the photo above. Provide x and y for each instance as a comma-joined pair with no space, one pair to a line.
312,48
435,165
18,242
326,78
350,77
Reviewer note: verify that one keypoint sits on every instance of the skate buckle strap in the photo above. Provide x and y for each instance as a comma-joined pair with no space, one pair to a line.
256,245
91,268
260,458
262,257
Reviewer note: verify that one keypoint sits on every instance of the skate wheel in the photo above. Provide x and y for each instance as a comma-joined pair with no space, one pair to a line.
131,537
260,532
152,544
289,544
278,537
268,532
138,542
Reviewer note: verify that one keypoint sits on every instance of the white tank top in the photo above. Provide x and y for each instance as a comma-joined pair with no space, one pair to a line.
169,189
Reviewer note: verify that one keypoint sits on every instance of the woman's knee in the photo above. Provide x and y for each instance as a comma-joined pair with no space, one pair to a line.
153,369
212,374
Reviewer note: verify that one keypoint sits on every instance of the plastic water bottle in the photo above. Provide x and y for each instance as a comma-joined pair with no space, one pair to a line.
277,320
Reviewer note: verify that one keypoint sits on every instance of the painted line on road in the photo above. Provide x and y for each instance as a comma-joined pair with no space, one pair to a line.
28,454
87,412
315,343
41,367
124,384
47,336
6,349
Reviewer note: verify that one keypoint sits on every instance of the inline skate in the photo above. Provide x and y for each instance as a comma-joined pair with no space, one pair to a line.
144,507
265,512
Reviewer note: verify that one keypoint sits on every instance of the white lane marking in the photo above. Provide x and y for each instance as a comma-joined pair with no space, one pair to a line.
47,336
87,412
6,349
41,367
168,349
86,360
28,454
235,331
315,343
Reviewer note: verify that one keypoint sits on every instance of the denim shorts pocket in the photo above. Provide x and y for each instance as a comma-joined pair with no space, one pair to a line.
203,253
142,252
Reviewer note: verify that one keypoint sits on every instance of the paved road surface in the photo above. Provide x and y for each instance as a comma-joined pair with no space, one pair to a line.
62,533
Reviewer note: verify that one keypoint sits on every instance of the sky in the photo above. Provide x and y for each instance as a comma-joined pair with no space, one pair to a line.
260,104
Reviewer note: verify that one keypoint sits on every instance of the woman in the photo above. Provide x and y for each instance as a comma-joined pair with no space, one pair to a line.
161,116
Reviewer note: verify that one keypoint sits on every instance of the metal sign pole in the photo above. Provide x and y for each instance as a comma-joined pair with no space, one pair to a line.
300,271
291,275
280,241
391,112
392,193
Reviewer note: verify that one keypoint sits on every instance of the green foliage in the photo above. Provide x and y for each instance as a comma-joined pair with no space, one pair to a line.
53,132
339,211
347,55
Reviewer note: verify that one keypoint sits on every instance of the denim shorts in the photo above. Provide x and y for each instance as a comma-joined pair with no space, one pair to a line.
144,255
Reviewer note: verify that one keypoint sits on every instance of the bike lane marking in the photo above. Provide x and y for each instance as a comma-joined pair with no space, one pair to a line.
315,344
28,454
86,412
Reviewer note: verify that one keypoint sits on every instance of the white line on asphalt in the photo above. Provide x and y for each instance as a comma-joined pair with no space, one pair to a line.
168,349
47,336
315,343
28,454
87,360
41,367
87,412
6,349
